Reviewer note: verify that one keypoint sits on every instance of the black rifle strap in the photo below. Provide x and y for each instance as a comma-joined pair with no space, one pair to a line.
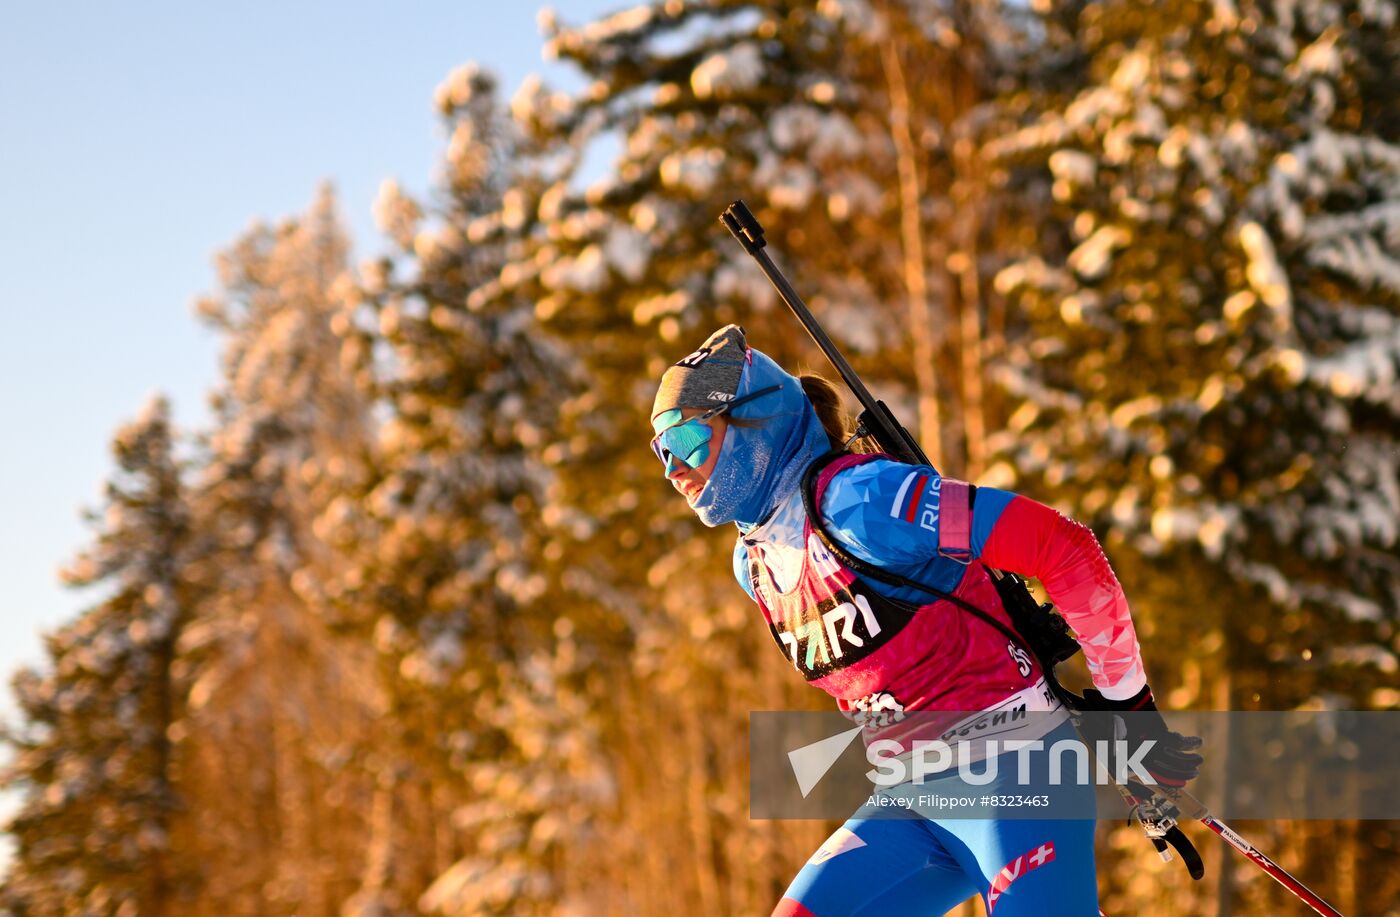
809,502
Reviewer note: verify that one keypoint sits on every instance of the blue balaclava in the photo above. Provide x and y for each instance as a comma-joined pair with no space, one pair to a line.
758,466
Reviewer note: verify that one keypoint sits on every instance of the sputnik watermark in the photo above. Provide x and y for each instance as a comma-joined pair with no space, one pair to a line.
977,763
893,765
1300,764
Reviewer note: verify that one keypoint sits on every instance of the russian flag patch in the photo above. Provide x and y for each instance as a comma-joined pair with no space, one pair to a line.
906,502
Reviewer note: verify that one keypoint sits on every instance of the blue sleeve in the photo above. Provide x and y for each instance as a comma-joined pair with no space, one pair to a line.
887,513
741,568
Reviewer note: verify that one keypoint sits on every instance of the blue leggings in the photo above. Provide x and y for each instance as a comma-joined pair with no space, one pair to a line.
912,865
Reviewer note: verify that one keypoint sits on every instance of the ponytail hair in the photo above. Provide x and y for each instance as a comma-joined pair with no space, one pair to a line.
827,402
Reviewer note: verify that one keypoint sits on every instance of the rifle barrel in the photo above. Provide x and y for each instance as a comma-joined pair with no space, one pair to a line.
875,416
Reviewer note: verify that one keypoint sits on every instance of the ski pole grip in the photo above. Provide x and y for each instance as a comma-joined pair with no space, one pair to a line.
740,221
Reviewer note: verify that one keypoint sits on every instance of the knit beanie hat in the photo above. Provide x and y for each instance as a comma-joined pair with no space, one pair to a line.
707,378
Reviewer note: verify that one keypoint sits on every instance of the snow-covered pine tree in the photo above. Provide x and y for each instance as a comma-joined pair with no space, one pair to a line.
489,766
1229,232
93,764
1210,350
280,710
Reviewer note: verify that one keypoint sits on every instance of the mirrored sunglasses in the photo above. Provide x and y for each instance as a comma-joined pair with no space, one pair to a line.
681,442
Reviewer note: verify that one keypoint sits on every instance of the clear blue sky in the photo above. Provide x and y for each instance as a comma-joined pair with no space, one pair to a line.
135,141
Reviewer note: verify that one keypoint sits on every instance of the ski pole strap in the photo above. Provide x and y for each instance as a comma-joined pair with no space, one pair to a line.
1184,848
1158,816
955,520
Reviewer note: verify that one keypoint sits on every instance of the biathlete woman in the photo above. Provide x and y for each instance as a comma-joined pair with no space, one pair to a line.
737,435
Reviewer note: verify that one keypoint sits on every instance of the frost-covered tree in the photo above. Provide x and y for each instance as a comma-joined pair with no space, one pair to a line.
491,765
848,126
93,763
279,712
1210,352
289,382
1230,232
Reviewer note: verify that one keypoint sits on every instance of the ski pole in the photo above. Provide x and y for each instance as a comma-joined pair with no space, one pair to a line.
1159,810
875,419
1277,872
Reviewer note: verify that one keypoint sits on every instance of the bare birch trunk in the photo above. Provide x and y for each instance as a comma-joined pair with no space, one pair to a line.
379,853
921,318
699,818
970,315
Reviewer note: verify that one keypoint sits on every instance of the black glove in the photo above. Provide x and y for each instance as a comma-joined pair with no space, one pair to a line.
1171,761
